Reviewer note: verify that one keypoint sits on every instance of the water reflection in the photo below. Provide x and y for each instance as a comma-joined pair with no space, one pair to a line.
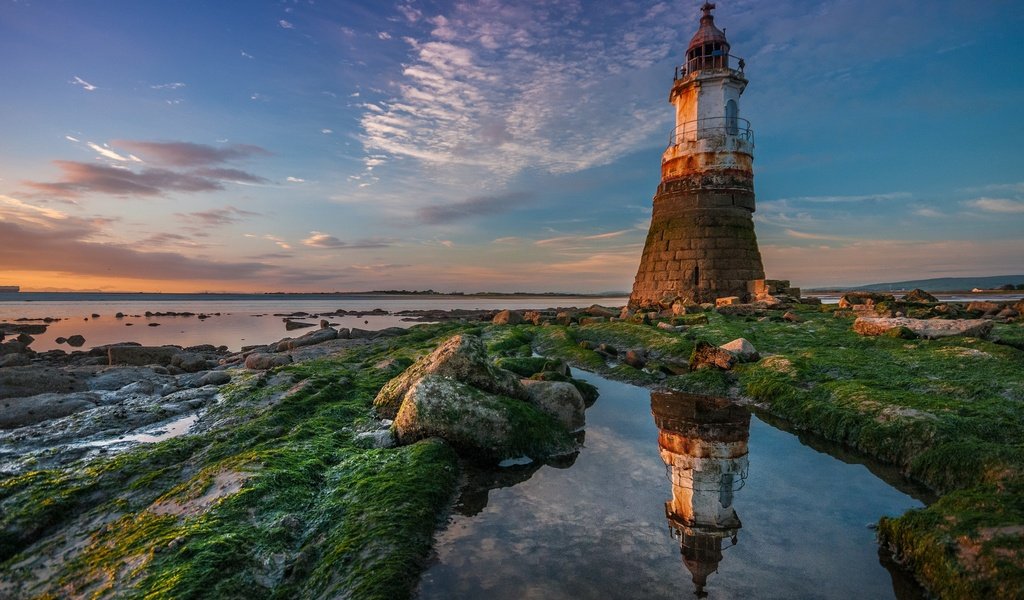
703,442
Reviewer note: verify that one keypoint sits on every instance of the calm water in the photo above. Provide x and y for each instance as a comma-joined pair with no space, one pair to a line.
237,324
664,501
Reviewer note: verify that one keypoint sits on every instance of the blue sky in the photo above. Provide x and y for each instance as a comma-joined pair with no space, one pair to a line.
494,145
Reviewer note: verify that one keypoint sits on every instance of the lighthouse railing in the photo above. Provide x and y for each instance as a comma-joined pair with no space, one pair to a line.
710,62
712,128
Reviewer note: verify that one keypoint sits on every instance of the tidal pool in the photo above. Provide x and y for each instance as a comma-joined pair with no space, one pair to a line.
672,496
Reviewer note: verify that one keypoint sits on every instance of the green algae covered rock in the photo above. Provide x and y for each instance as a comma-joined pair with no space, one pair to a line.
462,358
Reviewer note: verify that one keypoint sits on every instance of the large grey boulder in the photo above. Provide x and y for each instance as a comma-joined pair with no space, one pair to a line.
462,358
464,416
142,355
560,399
926,328
19,412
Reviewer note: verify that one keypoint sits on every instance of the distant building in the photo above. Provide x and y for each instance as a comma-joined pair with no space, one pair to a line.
7,289
701,243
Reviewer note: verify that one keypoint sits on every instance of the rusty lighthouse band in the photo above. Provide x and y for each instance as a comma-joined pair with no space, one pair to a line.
701,243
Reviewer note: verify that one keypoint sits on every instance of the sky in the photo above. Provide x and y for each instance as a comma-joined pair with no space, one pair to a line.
493,145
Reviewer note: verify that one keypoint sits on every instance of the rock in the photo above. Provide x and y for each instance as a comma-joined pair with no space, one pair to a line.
359,334
463,358
706,355
261,362
743,350
593,320
18,412
119,315
190,362
61,340
596,310
312,338
13,328
669,327
607,349
565,317
118,378
141,355
920,296
926,328
635,359
290,325
14,360
868,299
507,317
559,399
25,338
17,382
324,324
13,347
792,317
983,307
727,301
382,438
76,341
215,378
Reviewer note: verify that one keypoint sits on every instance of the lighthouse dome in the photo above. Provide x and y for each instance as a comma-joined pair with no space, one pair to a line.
708,37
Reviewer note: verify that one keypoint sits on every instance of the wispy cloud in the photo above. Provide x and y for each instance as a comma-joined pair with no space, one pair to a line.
322,240
473,207
218,216
85,84
107,152
295,180
883,197
511,86
997,205
286,24
177,85
81,178
187,154
563,239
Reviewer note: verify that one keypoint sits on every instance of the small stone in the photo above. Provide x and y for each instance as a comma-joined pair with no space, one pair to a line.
792,317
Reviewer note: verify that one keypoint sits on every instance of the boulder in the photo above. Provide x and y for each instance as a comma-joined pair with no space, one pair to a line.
559,399
215,378
190,362
14,360
463,358
290,325
593,320
141,355
727,301
867,299
743,350
118,378
16,382
25,338
706,355
13,347
792,317
983,307
635,358
76,341
30,328
312,338
920,296
507,317
926,328
596,310
258,361
19,412
382,438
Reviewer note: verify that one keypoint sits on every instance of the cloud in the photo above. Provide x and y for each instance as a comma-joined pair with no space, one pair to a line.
107,152
246,54
884,197
71,139
233,175
512,86
295,180
322,240
41,239
928,212
997,205
85,84
473,207
383,35
410,13
803,235
285,24
177,85
187,154
580,238
218,216
81,178
326,131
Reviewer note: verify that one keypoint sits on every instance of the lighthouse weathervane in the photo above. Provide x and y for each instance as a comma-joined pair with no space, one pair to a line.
701,244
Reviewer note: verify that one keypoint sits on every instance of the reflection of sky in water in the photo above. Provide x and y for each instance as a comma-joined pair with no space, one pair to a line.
236,326
598,529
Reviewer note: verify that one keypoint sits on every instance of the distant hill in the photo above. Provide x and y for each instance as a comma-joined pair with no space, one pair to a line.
945,284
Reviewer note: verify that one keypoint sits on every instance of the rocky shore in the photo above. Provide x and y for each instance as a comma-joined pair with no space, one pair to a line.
318,465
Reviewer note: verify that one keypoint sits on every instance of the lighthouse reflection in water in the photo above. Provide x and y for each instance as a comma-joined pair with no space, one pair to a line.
703,441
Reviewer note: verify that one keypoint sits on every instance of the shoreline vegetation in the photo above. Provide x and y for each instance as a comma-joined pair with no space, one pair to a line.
291,483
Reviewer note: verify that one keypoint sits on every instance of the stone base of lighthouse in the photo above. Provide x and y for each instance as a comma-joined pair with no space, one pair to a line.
701,244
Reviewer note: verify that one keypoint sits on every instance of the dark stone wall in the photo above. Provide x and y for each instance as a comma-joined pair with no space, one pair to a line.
701,244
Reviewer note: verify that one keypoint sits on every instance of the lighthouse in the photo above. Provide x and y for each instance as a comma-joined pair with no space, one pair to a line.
701,243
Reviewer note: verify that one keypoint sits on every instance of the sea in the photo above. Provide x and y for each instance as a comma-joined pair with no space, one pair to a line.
237,320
